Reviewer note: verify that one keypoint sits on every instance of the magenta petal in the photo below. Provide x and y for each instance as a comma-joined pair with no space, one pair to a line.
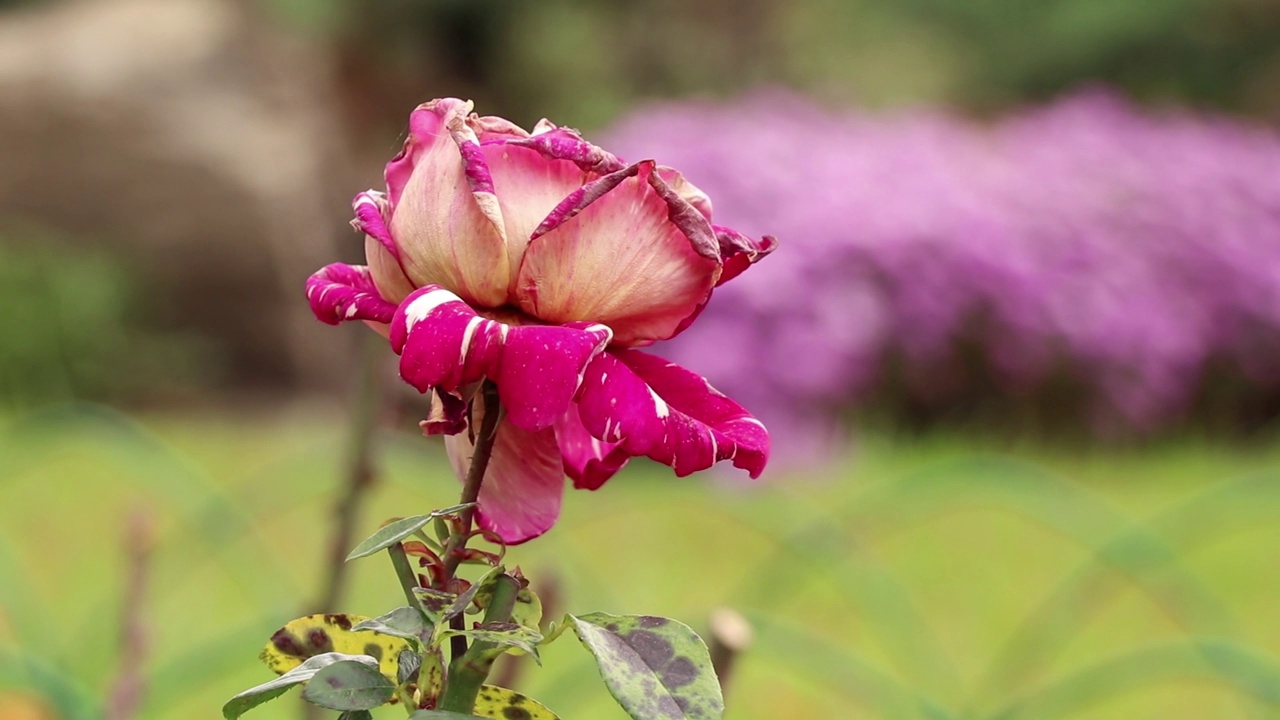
656,408
565,144
448,414
542,368
523,484
341,292
739,252
589,462
371,208
444,344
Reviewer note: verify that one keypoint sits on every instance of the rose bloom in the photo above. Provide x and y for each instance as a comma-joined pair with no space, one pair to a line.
541,262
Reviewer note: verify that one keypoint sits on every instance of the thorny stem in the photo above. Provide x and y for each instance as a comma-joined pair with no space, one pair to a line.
453,551
475,475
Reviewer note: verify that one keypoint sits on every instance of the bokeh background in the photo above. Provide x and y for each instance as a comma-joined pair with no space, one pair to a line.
1019,349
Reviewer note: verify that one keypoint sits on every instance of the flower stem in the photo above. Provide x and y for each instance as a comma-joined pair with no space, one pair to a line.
475,475
469,670
483,449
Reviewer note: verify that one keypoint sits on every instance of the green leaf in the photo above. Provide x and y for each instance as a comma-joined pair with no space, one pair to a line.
656,668
349,685
356,715
506,636
394,532
442,529
441,715
403,622
499,703
408,665
255,696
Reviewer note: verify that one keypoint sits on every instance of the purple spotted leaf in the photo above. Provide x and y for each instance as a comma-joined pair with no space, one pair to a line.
463,601
498,703
656,668
349,685
255,696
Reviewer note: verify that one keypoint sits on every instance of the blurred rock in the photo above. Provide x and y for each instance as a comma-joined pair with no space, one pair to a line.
198,140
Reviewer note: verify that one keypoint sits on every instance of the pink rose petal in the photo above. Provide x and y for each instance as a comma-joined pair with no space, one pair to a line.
658,409
523,484
625,251
340,292
444,344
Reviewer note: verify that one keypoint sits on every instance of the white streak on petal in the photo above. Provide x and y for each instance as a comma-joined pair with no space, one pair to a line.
421,307
659,405
472,324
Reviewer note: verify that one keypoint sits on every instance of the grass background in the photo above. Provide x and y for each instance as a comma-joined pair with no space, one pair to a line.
934,577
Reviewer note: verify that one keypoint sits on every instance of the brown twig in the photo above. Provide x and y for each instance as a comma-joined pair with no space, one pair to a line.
368,404
367,408
730,636
129,686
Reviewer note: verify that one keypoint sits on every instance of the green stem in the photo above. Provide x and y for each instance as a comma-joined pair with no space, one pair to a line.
469,670
404,572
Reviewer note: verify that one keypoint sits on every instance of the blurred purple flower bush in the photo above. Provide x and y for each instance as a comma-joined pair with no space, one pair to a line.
1128,254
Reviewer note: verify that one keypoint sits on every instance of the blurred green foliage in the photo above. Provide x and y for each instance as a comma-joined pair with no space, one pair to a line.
937,578
74,327
588,61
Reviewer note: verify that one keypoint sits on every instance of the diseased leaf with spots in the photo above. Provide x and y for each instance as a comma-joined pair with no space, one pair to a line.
656,668
349,685
316,634
394,532
434,601
441,715
255,696
507,637
463,601
502,704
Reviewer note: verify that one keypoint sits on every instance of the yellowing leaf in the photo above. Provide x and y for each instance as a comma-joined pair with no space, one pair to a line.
503,704
315,634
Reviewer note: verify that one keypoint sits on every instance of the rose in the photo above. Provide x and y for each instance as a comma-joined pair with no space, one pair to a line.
540,262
